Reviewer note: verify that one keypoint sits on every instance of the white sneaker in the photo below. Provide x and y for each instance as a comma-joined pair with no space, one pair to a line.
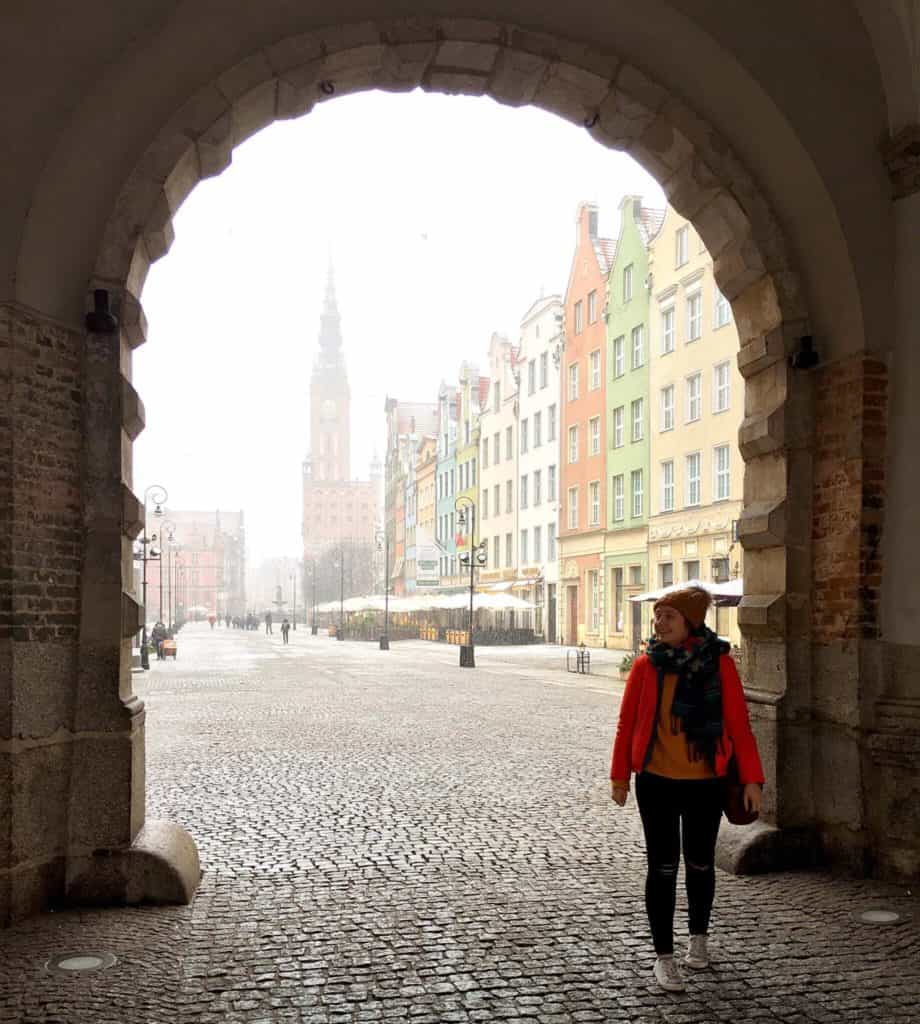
697,955
667,974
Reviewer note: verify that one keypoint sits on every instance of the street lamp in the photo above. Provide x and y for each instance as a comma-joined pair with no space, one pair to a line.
294,600
167,533
475,556
385,639
314,629
340,632
159,497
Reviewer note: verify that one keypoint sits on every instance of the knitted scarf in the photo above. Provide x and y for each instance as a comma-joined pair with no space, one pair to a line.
697,707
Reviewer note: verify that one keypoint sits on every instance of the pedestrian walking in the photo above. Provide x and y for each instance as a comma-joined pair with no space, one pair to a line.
285,629
682,716
268,623
228,620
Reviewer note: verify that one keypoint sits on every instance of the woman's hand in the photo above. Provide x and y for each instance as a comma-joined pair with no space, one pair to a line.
619,792
752,794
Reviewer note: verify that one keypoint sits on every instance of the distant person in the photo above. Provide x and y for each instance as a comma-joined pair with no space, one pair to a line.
157,636
228,620
285,629
212,619
268,623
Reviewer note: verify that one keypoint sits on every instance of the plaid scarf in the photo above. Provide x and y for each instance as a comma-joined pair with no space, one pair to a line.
697,707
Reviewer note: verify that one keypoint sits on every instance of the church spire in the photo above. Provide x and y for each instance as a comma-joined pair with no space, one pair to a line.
330,333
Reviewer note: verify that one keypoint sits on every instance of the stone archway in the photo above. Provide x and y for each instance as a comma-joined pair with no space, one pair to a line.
621,108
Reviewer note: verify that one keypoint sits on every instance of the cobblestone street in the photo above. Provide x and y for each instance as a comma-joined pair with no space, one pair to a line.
386,836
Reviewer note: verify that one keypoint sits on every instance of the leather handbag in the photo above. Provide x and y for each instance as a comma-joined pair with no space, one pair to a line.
733,797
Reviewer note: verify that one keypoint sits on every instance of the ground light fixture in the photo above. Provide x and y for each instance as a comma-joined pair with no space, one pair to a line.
881,915
71,964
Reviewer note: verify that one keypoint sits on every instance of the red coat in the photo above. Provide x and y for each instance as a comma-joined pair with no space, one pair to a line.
638,711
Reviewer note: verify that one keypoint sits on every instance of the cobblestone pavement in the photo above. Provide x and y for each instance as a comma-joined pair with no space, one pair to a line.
387,837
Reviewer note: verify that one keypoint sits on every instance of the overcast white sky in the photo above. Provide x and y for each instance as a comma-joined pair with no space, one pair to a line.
445,217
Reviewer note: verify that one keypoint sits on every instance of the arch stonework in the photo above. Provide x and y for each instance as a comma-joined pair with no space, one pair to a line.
705,182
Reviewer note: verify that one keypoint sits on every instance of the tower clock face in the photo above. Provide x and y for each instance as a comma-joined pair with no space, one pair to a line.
328,410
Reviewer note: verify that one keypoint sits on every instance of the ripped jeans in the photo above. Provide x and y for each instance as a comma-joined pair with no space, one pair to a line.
672,809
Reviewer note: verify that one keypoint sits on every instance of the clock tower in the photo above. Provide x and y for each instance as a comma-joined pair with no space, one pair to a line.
330,423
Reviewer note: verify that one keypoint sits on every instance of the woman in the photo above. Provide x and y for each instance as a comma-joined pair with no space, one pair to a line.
681,717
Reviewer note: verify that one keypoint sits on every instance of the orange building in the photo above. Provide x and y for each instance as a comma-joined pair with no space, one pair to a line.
582,458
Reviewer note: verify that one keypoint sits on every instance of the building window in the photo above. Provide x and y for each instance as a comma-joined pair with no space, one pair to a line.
544,370
667,486
618,600
573,382
618,484
594,434
525,435
594,370
551,542
509,497
509,443
537,487
722,312
627,282
537,429
638,419
595,592
635,575
485,454
496,448
579,317
694,397
496,396
618,426
497,500
638,346
694,316
551,483
667,407
531,376
522,557
485,504
538,543
509,551
638,493
473,471
619,361
592,307
594,497
720,570
551,423
721,473
573,508
721,387
667,330
524,491
682,246
691,571
693,480
666,574
573,443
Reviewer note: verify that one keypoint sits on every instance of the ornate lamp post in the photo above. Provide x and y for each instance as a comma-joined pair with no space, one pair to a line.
475,556
385,639
167,532
159,495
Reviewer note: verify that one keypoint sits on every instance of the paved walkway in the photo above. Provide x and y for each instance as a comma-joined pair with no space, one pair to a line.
388,837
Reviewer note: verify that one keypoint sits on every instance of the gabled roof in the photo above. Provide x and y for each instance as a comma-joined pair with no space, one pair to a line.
605,249
649,224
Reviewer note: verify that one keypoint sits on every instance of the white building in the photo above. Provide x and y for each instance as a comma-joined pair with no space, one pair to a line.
538,462
498,495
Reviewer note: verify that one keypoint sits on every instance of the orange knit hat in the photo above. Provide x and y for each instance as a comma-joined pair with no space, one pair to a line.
691,602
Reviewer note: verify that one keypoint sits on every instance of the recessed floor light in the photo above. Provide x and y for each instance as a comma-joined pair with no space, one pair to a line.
80,963
879,915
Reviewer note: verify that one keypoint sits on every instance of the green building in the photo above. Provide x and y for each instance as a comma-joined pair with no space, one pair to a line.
628,416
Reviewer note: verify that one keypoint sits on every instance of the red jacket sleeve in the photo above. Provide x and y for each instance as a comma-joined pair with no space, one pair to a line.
737,722
621,767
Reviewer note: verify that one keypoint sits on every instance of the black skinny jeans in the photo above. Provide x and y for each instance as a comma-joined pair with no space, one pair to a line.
672,809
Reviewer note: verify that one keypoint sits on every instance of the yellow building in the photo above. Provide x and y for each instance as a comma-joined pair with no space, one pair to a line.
426,551
697,403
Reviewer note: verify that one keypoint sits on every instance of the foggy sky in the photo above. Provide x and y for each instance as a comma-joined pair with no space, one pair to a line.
444,217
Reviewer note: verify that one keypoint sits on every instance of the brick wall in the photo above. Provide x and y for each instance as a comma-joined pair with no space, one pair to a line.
849,497
46,544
